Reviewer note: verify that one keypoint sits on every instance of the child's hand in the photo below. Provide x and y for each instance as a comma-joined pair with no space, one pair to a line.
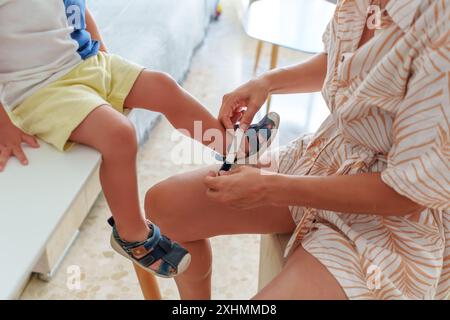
11,139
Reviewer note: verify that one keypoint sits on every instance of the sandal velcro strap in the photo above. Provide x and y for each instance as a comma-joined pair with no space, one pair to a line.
165,244
165,250
174,257
151,242
151,258
169,252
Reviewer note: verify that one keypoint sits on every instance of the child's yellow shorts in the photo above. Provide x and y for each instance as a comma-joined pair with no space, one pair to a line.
55,111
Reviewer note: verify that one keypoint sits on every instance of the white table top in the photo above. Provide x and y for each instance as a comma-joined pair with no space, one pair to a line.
33,200
295,24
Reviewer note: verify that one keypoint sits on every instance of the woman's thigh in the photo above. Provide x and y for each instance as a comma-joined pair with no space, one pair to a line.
303,278
179,205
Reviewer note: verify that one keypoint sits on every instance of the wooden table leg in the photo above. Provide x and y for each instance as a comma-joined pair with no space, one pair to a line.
148,283
273,65
259,48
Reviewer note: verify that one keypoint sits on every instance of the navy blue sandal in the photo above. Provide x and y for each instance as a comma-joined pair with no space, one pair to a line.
259,137
173,257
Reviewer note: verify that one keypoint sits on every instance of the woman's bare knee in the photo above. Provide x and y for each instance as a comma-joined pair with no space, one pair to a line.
151,203
162,208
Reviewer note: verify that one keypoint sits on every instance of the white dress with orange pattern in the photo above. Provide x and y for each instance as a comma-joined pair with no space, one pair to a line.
390,113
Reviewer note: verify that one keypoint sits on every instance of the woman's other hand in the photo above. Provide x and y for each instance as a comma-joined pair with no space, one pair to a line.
243,103
243,188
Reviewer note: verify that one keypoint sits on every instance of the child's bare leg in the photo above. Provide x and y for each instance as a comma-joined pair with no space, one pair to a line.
159,92
111,133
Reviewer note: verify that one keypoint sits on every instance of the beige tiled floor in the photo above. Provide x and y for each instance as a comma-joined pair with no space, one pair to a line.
222,63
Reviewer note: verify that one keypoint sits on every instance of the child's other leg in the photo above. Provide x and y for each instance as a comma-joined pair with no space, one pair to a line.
159,92
112,134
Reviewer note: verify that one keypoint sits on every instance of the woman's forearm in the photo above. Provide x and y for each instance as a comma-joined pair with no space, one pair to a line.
362,193
308,76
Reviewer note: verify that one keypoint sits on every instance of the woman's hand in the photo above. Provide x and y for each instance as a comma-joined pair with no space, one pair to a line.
11,139
243,188
243,103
